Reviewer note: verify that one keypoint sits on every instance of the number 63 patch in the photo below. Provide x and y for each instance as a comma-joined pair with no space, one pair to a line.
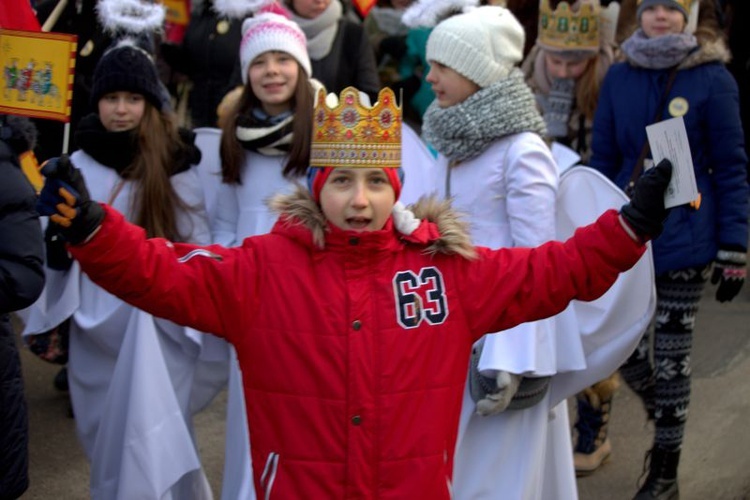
420,297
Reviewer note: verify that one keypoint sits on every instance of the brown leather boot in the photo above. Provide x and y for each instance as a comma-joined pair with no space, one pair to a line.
593,448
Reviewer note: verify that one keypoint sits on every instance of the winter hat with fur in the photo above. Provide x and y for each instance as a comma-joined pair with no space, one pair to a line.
128,67
483,44
270,31
681,5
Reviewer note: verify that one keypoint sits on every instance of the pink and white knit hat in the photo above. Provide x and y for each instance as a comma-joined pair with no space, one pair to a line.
268,31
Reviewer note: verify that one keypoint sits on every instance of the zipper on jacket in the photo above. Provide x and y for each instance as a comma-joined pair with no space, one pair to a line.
269,474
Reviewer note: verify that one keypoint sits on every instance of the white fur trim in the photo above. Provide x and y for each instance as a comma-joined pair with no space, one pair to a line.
430,12
131,16
404,220
240,9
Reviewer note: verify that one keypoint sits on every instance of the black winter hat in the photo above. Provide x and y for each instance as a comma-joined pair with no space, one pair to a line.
128,67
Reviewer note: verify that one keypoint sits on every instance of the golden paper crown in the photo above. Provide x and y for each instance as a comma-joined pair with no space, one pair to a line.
566,29
347,133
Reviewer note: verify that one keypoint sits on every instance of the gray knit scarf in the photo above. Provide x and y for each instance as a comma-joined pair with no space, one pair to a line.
465,130
659,52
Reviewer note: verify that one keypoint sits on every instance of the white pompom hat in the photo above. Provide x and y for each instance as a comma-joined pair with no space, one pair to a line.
268,31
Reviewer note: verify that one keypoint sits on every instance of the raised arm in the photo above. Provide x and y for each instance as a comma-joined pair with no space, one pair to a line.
184,283
539,282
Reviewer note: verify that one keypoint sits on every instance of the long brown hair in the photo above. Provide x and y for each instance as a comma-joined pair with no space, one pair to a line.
155,202
232,153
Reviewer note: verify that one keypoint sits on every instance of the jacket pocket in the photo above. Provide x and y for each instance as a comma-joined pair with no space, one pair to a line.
269,474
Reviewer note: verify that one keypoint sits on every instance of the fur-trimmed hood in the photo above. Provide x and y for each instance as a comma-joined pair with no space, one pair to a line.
710,50
429,222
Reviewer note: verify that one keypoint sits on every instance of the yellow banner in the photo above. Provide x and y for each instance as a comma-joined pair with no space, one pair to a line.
38,71
178,11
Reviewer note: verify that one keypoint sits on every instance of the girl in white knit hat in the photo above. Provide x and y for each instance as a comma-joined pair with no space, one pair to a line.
495,165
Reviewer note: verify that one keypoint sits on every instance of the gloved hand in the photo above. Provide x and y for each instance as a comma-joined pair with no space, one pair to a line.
557,106
57,256
491,394
645,213
65,199
729,272
506,385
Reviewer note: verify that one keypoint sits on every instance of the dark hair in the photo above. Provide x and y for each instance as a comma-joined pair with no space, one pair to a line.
155,202
232,153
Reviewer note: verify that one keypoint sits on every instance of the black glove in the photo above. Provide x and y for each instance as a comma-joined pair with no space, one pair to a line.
730,272
646,212
56,253
65,199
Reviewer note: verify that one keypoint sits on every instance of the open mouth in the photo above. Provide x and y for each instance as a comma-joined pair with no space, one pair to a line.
358,222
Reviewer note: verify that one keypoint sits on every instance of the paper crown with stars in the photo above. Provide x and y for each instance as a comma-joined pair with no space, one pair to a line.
348,132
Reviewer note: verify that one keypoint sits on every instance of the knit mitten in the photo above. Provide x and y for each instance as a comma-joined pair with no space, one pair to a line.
557,106
730,271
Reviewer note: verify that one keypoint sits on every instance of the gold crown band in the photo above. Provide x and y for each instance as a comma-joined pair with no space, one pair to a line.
566,29
349,134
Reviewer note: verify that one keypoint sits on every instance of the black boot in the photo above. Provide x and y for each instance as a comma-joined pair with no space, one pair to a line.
661,482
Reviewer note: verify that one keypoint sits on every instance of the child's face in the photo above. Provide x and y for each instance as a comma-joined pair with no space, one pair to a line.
310,9
559,67
661,20
357,199
450,87
121,111
273,78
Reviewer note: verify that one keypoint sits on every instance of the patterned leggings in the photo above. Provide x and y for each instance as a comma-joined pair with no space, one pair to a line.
663,380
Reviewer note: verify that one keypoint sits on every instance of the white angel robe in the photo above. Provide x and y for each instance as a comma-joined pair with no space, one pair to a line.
135,380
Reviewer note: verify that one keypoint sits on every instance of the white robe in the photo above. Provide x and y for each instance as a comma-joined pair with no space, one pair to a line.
134,379
511,197
239,211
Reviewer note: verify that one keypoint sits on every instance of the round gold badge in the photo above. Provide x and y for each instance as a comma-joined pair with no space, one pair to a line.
222,26
678,106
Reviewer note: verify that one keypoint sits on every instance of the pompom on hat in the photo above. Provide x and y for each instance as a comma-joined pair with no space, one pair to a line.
128,67
681,5
268,31
483,44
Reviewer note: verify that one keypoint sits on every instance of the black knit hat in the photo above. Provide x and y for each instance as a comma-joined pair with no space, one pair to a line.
128,67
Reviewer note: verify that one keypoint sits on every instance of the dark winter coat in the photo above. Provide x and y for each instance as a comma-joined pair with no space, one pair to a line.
207,56
21,282
628,102
351,62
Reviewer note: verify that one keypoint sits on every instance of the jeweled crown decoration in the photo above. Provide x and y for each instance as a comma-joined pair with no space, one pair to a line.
569,29
348,133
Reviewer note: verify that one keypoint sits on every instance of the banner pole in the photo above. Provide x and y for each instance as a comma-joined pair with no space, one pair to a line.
55,15
66,137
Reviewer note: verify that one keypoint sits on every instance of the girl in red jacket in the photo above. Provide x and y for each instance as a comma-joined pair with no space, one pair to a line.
338,313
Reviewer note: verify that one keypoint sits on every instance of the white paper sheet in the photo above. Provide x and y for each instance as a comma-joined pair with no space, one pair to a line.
668,139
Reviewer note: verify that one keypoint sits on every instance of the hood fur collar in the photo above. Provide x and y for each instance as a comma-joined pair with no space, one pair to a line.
452,232
711,50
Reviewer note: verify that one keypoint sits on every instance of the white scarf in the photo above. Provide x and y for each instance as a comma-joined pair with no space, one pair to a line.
321,31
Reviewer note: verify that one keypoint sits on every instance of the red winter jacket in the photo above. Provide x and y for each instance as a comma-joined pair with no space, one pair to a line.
354,346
